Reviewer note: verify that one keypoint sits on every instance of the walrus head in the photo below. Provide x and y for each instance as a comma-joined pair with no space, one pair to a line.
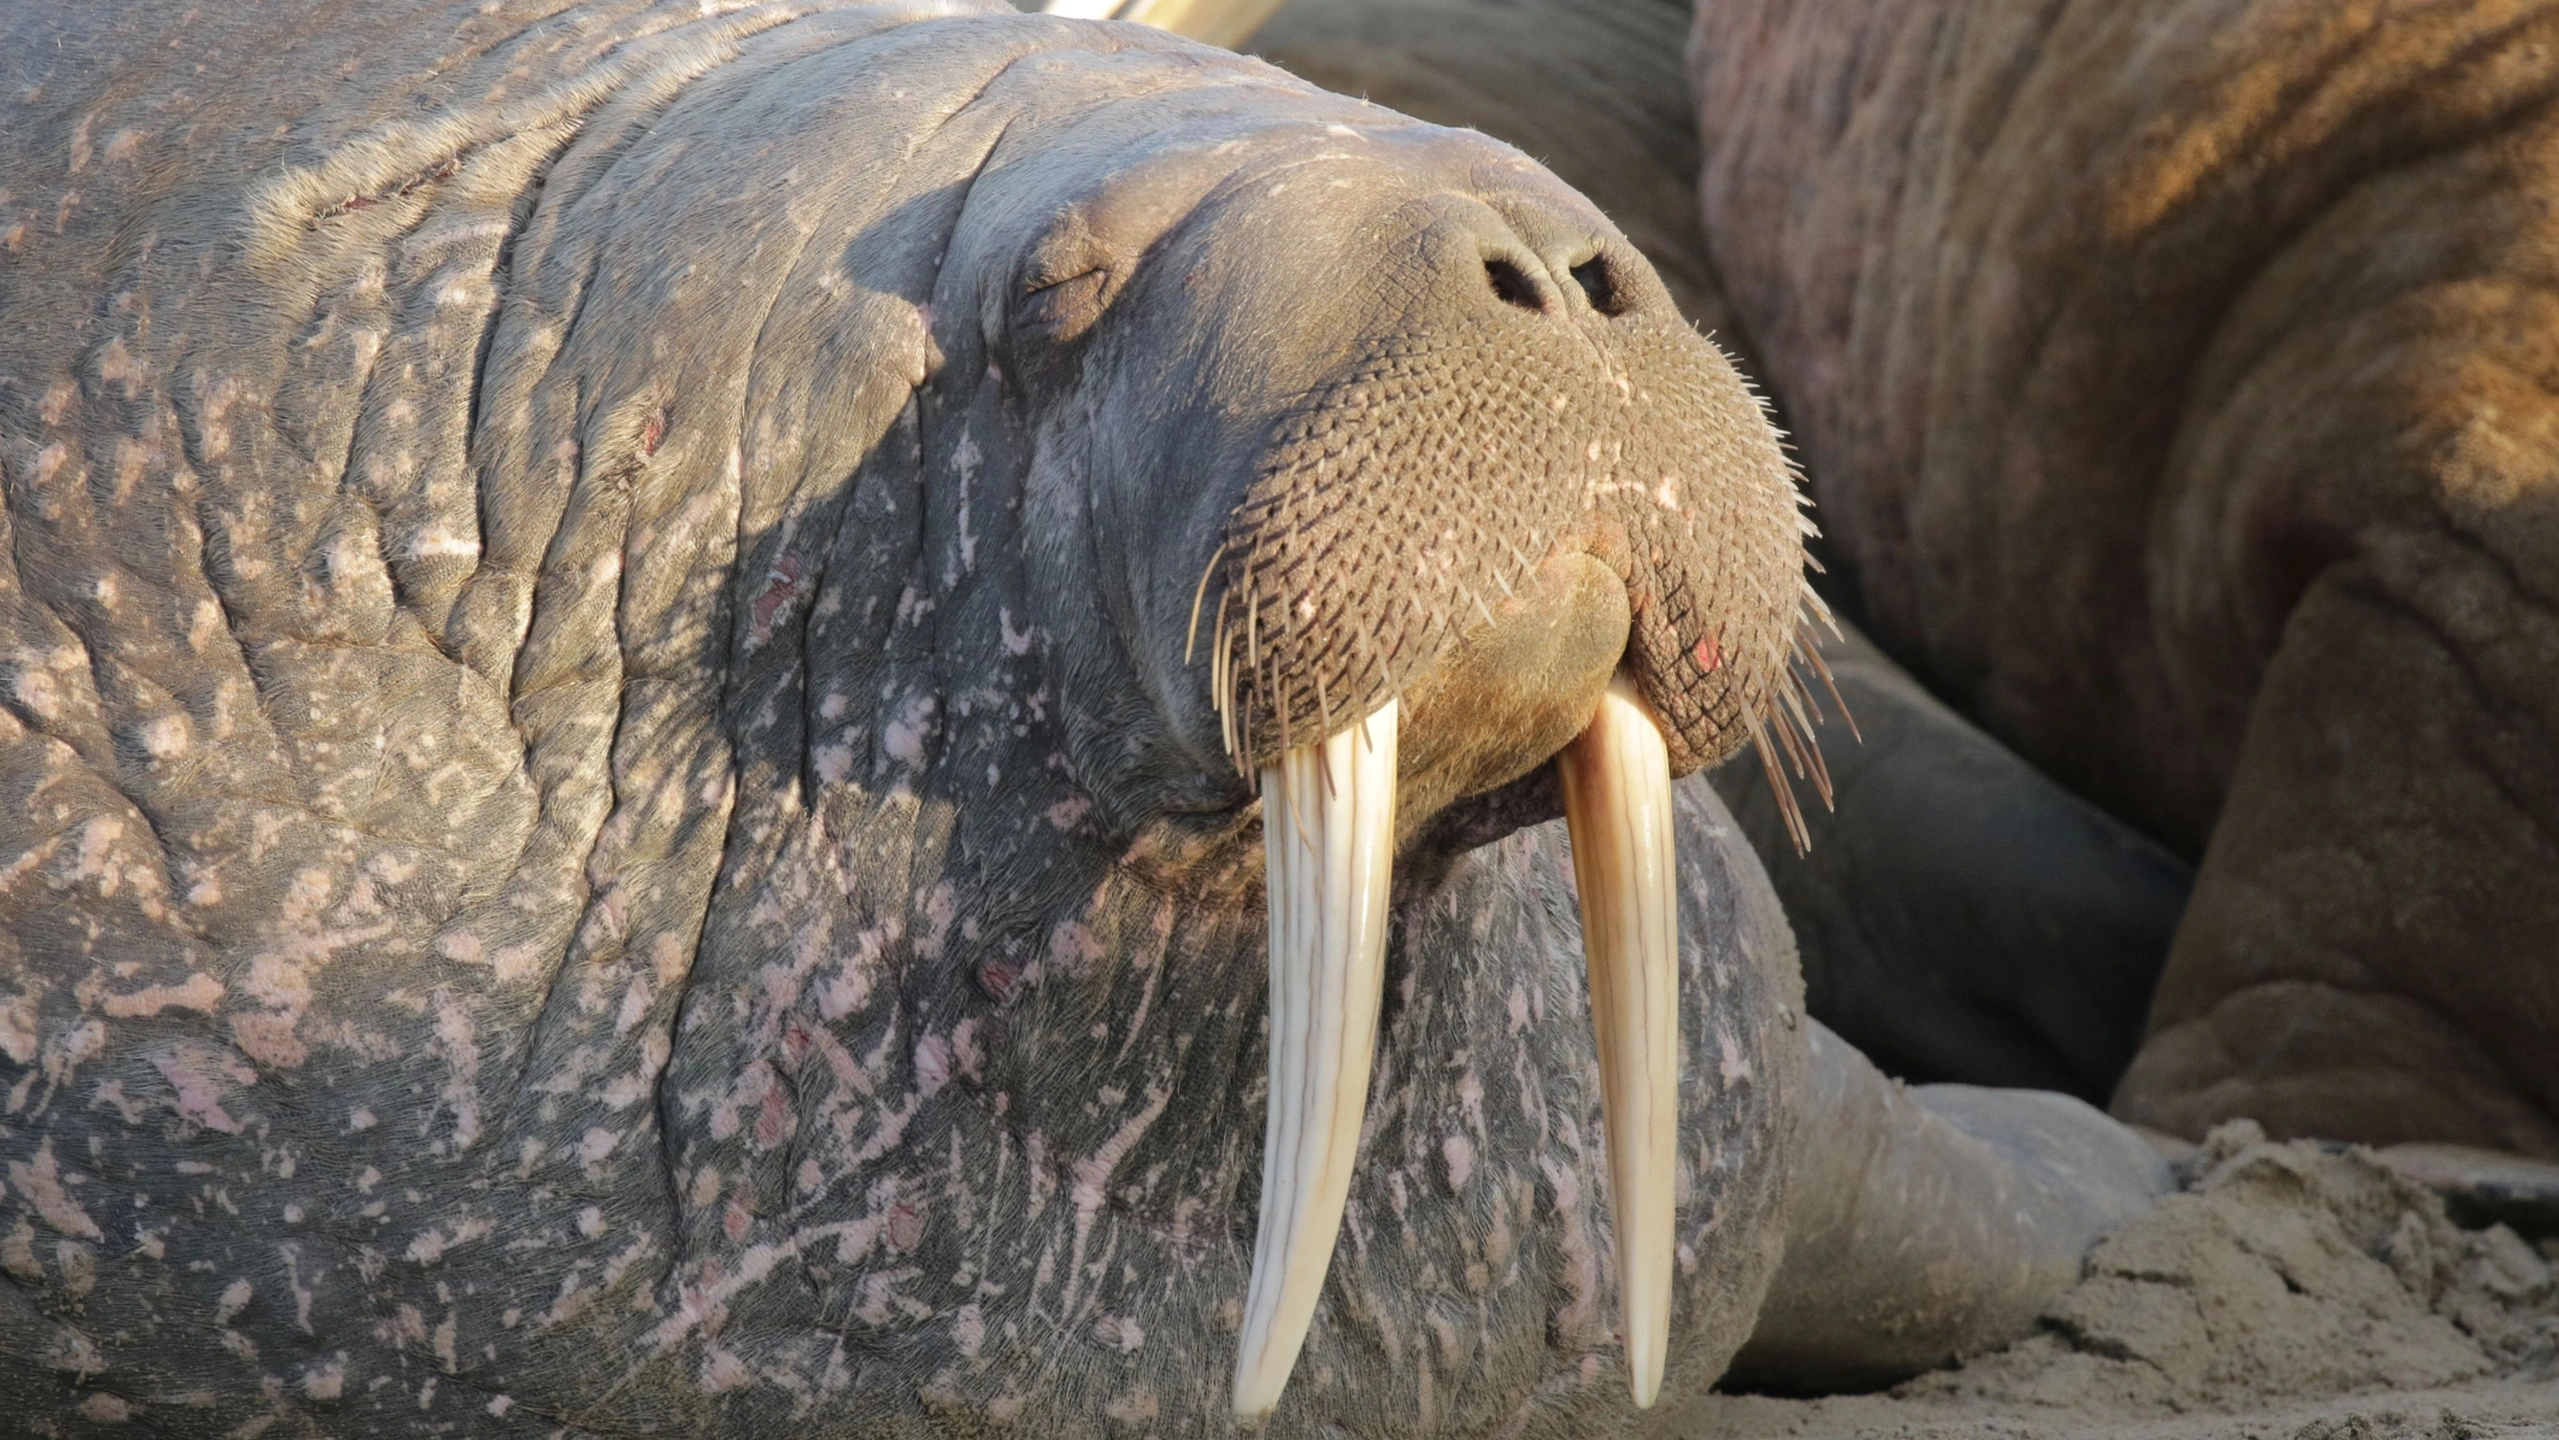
1401,477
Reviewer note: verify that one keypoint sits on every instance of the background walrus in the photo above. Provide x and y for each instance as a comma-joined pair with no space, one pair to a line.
612,824
2174,378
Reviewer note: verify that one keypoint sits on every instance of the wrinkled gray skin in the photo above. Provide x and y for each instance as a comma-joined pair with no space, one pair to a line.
606,831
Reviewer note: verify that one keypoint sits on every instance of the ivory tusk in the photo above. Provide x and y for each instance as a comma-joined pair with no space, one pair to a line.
1328,836
1616,781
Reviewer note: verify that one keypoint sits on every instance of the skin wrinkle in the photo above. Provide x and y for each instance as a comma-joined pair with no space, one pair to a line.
2252,365
738,545
2344,196
2258,370
607,153
2541,809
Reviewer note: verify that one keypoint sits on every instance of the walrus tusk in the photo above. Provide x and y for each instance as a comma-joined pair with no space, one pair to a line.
1616,780
1218,22
1328,839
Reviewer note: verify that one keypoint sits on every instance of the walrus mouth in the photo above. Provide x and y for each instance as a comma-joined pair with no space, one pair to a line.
1328,824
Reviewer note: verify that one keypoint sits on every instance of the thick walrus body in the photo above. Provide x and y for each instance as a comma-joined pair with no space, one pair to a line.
2175,380
610,828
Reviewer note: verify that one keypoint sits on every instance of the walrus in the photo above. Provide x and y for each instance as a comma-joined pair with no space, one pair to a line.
2174,383
905,720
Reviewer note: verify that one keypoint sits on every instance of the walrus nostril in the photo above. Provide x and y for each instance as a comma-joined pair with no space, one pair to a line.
1512,284
1599,281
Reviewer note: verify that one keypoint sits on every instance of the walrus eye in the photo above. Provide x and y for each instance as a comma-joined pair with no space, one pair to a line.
1061,311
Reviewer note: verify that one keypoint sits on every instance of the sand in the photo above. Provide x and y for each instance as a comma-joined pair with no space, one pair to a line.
2290,1291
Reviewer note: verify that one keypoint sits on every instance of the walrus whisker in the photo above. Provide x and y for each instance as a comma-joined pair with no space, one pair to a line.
1199,595
1324,719
1253,634
1810,607
1777,786
1773,713
1806,742
1807,750
1800,699
1219,700
1808,652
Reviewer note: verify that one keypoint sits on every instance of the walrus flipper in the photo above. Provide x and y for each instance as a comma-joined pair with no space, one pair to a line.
1933,1222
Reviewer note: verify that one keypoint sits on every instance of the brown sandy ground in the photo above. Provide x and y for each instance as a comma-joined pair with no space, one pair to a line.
2291,1292
2478,1410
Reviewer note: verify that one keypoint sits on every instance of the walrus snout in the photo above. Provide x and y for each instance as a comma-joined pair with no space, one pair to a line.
1526,390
